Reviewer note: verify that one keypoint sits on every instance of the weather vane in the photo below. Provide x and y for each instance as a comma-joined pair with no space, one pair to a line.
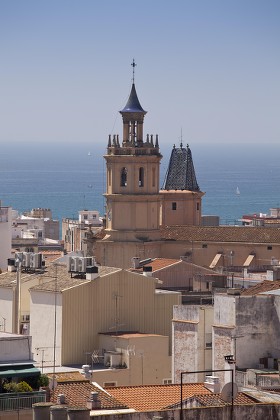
133,66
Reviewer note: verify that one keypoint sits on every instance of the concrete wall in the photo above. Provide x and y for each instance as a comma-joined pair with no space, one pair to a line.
258,326
14,348
43,310
246,327
192,326
260,411
14,415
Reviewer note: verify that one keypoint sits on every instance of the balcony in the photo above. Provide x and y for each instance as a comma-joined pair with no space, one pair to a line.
21,401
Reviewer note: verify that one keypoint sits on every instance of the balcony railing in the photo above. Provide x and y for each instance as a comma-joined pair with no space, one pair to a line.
21,401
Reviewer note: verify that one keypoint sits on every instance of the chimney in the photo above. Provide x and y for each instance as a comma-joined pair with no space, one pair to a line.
147,271
212,383
135,262
58,412
78,414
61,399
92,272
94,402
86,371
41,411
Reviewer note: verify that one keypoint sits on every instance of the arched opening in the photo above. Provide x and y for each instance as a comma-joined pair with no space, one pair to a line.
141,177
123,177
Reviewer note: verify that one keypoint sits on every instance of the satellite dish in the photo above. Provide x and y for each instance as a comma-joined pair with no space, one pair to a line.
229,392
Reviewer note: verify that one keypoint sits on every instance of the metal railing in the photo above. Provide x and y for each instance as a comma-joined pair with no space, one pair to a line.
21,401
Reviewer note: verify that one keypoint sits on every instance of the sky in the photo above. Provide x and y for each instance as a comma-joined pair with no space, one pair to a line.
207,71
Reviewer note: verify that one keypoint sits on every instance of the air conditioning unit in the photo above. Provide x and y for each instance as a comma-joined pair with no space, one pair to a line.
26,257
82,265
73,264
89,261
36,260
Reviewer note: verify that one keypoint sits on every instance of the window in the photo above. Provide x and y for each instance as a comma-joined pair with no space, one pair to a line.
269,248
174,206
141,177
197,206
208,340
167,381
204,245
123,177
109,384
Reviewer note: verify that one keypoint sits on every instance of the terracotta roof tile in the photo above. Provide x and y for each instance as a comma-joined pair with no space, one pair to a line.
264,286
209,400
68,376
221,234
155,397
77,394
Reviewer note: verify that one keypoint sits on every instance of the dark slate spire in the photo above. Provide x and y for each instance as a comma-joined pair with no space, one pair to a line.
180,174
133,104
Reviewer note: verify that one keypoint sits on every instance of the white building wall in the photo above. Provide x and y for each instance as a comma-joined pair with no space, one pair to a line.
5,236
44,308
6,309
14,347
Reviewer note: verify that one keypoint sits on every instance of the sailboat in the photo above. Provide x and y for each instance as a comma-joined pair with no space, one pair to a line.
237,191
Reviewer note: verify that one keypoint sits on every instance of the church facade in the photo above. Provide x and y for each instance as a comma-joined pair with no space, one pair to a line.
136,207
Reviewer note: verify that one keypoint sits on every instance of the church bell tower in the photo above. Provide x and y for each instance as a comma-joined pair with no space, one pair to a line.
132,191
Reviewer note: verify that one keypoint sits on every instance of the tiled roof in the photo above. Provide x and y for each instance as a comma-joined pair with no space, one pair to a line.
208,234
54,277
157,264
61,278
77,394
155,397
264,286
209,400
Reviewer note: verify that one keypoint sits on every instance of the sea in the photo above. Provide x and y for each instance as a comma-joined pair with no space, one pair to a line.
237,179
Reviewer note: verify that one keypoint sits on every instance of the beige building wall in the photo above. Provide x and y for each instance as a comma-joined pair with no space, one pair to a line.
203,253
119,301
120,254
146,357
180,208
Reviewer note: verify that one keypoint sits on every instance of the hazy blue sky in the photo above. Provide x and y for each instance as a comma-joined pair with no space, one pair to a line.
209,68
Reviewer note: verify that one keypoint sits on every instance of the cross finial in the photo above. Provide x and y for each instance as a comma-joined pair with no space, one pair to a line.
133,66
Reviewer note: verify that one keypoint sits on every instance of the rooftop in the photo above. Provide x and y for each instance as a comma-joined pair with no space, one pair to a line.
54,277
265,286
155,397
247,234
77,390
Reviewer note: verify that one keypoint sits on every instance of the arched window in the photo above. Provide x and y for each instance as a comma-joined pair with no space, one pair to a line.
123,177
141,177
